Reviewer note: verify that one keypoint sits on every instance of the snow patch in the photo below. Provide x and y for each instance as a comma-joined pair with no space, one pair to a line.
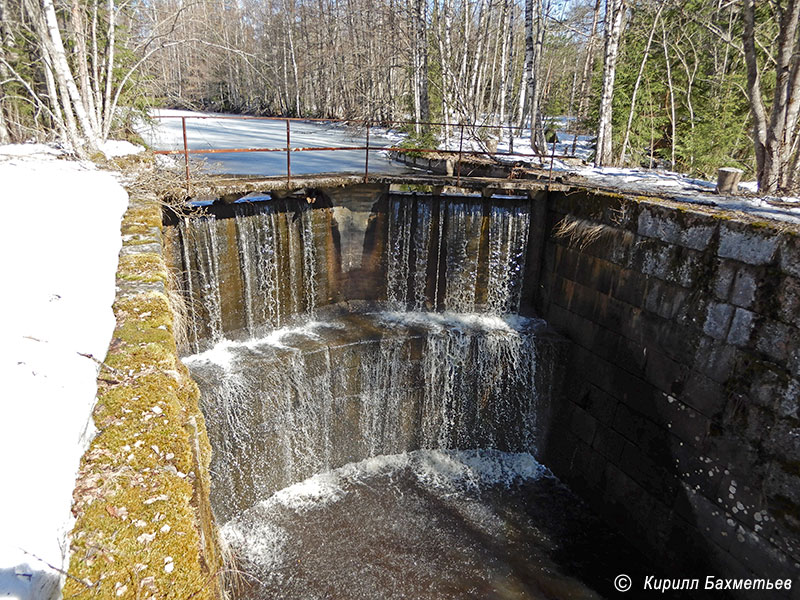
59,285
40,150
116,148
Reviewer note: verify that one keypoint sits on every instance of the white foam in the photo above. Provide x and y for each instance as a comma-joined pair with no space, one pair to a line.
262,542
223,352
450,470
259,540
452,320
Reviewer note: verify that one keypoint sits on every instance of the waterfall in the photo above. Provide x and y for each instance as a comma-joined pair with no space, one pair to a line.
310,399
297,380
253,272
474,252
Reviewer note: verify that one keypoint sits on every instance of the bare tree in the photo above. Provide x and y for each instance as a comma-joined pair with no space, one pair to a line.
613,31
534,41
775,136
588,62
638,82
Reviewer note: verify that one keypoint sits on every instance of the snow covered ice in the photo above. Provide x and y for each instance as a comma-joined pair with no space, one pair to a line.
211,130
60,245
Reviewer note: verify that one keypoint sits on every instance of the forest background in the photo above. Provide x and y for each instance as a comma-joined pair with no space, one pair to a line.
688,85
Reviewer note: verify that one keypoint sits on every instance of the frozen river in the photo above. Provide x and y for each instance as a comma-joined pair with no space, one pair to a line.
211,132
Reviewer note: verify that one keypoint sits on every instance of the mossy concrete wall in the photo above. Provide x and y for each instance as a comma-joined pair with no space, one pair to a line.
144,527
681,417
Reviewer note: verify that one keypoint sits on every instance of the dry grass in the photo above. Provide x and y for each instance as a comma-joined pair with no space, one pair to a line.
159,176
579,233
179,310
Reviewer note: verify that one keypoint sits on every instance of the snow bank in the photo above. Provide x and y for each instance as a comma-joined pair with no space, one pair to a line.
115,148
60,249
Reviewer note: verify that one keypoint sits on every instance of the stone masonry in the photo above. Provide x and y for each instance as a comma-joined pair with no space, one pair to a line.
681,415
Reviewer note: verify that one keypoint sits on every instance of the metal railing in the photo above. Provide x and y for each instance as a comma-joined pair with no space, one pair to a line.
368,125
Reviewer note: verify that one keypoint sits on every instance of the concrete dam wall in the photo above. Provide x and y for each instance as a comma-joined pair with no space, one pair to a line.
645,353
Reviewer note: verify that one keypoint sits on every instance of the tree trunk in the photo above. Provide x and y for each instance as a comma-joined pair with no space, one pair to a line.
293,56
5,42
505,25
671,89
638,83
422,48
534,36
774,139
588,63
613,26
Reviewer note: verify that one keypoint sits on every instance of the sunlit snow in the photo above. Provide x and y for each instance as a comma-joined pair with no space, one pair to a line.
60,245
212,131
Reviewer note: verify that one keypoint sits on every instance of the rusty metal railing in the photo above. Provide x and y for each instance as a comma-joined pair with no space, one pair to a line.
368,125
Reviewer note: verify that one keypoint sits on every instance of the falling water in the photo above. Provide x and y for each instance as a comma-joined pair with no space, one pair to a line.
475,253
375,417
261,265
310,399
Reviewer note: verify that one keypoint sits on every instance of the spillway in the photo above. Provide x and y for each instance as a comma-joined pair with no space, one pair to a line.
376,393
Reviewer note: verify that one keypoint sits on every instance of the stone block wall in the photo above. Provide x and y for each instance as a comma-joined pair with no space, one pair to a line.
681,417
144,527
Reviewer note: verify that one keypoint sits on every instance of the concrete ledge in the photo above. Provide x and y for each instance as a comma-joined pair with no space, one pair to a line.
144,527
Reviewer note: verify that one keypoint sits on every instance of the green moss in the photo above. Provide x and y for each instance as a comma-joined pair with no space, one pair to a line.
143,319
761,225
141,499
149,215
417,188
142,267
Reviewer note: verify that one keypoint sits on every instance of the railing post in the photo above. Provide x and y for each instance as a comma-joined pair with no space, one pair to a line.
366,157
552,159
460,150
288,156
186,155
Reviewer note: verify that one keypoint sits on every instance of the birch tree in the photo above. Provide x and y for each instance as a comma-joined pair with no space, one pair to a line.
534,41
615,10
775,128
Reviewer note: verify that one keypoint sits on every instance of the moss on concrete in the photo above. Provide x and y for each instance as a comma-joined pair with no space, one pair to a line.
142,267
144,527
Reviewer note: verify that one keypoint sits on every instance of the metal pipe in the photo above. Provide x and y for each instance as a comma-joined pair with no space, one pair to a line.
288,156
186,155
366,157
312,120
344,148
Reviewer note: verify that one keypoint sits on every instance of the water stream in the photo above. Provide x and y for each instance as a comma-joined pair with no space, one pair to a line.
376,401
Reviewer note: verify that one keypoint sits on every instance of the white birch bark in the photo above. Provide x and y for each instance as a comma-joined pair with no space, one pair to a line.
586,74
111,33
613,27
505,26
64,77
